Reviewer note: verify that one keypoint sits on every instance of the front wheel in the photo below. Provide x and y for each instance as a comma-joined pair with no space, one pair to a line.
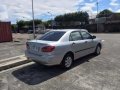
98,50
67,61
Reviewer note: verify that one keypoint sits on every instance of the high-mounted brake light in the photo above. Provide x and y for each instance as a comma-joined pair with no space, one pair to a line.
48,48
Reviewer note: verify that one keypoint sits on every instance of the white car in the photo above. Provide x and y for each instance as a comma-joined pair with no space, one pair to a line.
61,47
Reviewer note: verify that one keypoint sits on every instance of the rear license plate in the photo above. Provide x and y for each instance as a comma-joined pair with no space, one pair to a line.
33,48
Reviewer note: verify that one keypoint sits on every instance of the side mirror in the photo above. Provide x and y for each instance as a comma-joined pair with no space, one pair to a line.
93,37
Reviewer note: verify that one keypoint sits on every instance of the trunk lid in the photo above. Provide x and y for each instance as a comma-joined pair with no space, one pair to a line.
35,46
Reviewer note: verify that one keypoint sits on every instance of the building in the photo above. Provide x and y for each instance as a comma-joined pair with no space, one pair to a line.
105,24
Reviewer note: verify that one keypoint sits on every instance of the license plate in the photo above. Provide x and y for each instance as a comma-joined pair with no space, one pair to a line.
33,48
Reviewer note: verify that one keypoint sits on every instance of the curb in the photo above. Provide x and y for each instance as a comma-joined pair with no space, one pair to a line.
13,62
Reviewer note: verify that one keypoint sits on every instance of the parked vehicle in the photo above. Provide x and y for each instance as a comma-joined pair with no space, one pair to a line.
61,47
30,31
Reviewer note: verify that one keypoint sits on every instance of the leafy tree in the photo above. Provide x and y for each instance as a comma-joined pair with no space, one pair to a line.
14,27
77,16
72,20
37,22
104,13
22,23
48,23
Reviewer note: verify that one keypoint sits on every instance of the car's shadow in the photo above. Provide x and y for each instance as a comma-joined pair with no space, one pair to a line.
35,74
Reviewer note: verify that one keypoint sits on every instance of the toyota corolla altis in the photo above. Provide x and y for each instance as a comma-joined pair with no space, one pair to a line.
62,47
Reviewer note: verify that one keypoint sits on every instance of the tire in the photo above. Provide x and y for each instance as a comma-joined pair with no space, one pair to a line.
97,50
67,61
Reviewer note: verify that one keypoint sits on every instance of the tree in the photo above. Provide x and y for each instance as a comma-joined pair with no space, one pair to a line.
48,23
72,20
14,28
22,23
37,22
104,13
77,16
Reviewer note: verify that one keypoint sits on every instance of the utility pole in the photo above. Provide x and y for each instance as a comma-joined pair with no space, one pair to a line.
33,20
51,19
97,17
16,31
97,6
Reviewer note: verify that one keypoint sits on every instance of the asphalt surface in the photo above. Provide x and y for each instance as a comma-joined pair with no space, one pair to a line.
11,49
15,48
88,73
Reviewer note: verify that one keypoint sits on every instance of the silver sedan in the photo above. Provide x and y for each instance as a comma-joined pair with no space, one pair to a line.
61,47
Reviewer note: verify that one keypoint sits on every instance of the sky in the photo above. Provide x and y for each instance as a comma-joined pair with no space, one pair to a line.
15,10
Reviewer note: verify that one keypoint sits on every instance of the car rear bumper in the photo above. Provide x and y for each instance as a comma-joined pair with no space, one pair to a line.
48,60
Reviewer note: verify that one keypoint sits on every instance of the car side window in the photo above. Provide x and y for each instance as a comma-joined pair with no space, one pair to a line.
74,36
86,35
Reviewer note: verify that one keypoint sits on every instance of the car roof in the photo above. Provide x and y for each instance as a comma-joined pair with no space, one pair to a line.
68,30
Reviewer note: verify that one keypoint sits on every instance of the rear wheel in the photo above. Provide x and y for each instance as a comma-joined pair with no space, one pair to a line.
67,61
98,50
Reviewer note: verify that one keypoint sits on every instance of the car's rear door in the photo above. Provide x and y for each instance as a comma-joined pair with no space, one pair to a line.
77,44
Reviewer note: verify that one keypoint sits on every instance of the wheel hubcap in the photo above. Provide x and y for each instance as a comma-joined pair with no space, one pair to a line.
68,61
98,50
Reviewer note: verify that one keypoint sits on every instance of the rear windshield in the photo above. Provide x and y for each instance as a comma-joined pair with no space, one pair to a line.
52,36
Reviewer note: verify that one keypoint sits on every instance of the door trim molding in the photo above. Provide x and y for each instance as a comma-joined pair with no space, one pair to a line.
84,49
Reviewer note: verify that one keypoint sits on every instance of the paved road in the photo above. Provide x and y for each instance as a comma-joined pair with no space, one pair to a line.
11,49
89,73
16,48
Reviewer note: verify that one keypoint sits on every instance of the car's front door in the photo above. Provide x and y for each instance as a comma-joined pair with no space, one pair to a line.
89,43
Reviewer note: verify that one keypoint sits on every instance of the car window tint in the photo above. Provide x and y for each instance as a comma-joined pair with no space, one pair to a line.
74,36
52,36
85,35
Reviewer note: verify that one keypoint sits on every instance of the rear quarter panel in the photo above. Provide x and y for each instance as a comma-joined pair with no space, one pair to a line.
61,49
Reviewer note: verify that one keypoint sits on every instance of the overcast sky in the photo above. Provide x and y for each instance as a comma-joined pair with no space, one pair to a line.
13,10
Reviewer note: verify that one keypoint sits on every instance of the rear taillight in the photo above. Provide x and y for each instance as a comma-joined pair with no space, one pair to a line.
48,48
